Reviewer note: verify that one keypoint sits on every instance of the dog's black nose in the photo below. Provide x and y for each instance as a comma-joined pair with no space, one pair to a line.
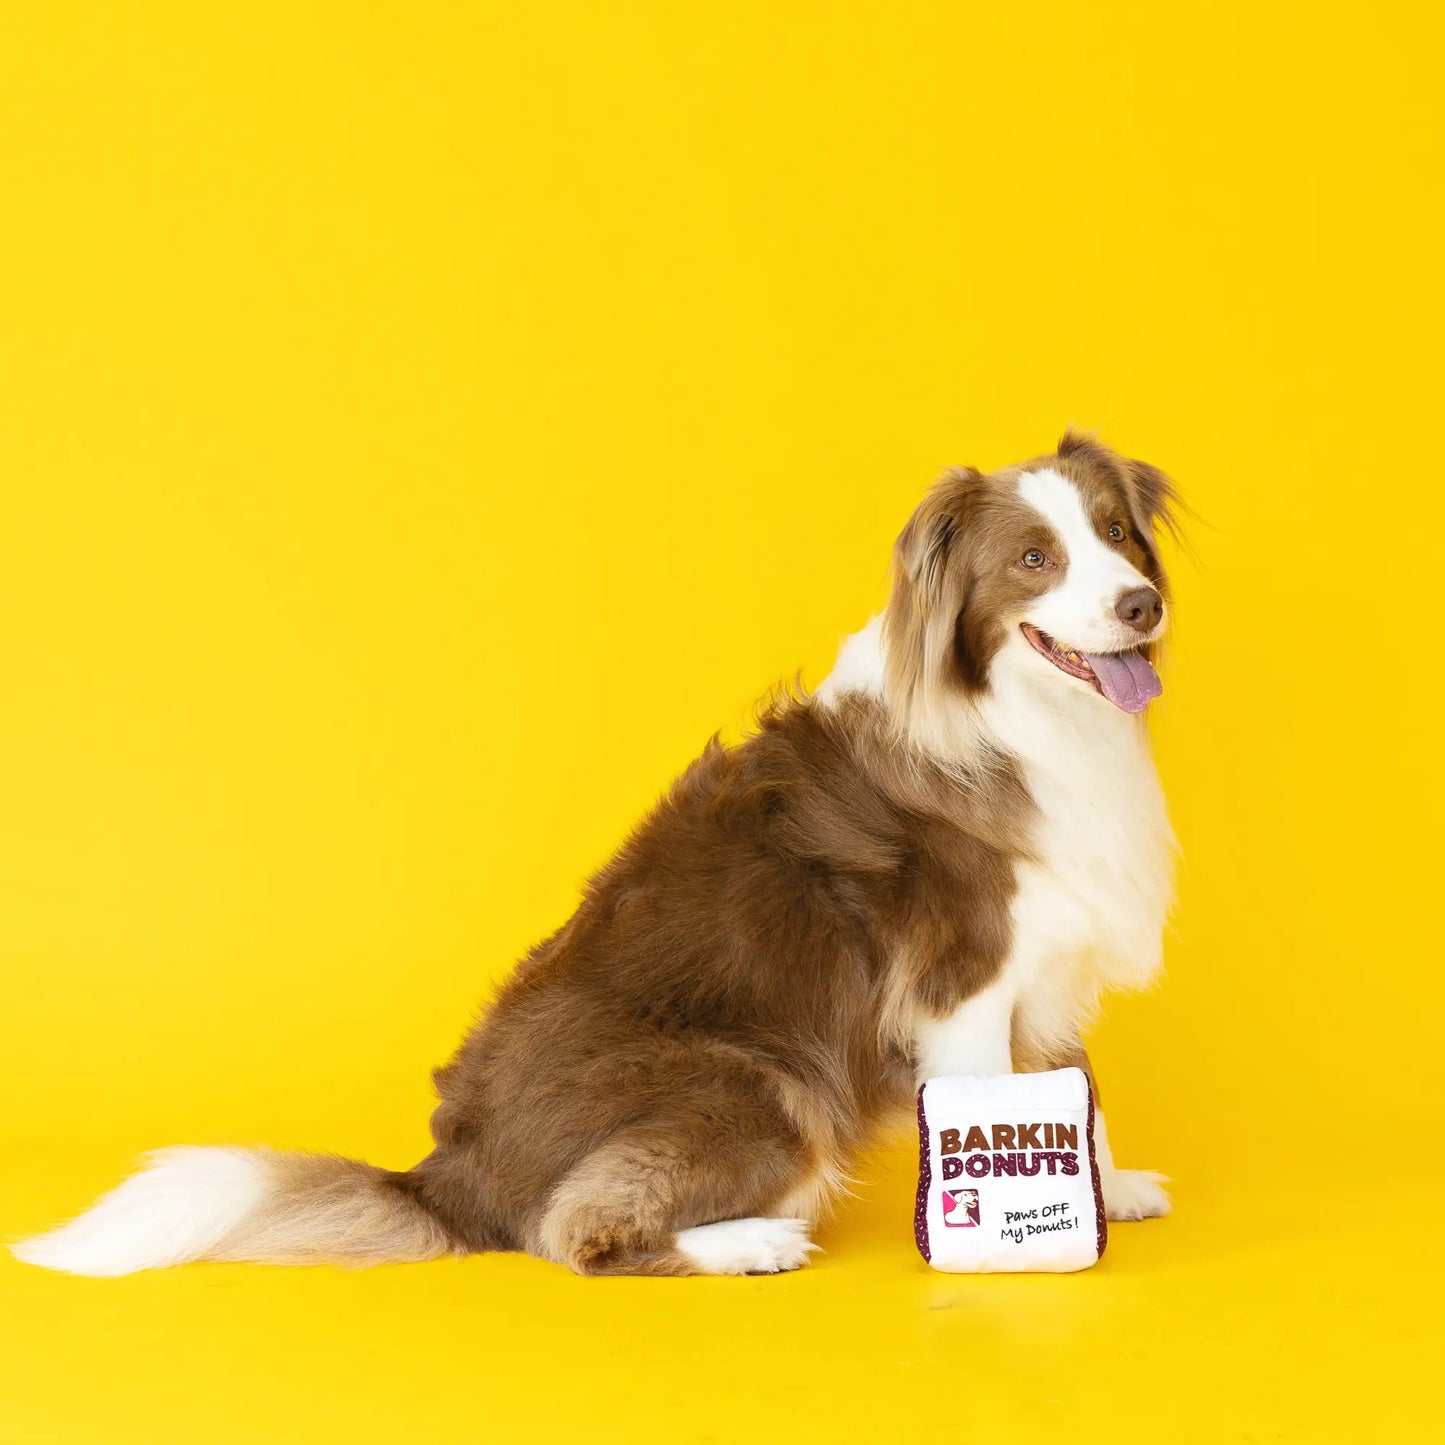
1141,608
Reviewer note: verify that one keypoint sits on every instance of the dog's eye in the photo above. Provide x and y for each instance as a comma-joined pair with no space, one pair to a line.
1116,533
1033,558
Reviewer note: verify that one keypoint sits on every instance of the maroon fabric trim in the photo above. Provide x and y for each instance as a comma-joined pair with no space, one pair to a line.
925,1182
1099,1215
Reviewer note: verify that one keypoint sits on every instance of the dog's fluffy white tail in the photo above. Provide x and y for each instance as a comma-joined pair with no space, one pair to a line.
243,1204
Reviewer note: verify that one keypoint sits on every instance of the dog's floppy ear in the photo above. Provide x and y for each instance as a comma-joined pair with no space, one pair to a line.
1155,504
924,546
928,594
1153,499
920,555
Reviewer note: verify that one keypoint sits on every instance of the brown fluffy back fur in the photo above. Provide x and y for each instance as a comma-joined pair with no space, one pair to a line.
729,982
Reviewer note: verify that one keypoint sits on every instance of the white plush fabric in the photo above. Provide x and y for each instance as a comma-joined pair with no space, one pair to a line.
1008,1180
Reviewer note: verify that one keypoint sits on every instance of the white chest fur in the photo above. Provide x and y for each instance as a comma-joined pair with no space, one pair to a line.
1090,908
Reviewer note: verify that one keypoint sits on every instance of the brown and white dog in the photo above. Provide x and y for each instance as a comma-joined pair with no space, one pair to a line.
935,865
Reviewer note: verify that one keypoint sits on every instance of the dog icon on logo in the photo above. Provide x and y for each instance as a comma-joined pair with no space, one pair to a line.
960,1208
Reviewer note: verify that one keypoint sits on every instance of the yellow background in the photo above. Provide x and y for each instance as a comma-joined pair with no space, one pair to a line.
421,425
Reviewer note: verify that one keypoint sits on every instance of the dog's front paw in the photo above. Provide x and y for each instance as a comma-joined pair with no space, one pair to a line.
1134,1193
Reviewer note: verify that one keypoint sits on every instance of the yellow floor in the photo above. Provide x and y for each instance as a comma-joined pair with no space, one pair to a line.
1282,1312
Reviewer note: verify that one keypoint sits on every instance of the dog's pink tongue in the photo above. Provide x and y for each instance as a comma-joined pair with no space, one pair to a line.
1126,678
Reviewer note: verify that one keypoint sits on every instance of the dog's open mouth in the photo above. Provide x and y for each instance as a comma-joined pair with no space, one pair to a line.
1127,679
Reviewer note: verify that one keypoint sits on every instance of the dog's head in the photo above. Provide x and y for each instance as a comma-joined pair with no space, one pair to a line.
1052,565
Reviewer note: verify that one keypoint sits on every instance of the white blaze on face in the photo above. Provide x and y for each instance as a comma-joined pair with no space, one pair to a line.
1079,611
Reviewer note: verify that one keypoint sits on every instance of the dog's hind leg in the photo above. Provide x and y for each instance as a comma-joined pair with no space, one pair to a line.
694,1189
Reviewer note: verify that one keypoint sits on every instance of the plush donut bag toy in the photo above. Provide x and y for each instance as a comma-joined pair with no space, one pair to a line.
1007,1177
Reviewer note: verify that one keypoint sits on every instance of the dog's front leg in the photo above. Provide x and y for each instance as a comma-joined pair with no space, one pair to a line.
1128,1193
973,1039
